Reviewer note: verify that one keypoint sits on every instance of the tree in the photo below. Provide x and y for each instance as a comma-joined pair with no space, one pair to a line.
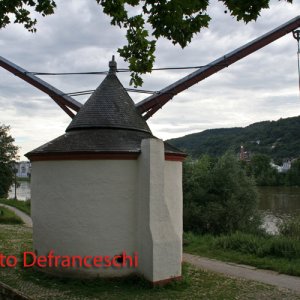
8,155
265,175
218,196
175,20
293,174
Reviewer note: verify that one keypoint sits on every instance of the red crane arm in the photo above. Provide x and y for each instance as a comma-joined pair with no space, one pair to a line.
152,104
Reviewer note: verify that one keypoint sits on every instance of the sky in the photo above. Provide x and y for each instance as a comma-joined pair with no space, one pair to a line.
79,38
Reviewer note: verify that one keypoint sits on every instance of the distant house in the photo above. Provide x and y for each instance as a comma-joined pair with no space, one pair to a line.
278,168
23,169
244,155
285,166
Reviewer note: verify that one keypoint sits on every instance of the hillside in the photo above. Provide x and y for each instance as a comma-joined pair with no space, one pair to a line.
278,139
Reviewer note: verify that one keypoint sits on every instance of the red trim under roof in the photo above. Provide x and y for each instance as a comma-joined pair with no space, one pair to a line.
98,156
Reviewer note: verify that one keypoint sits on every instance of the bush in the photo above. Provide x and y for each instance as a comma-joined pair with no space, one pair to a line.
293,174
9,217
290,227
218,196
284,247
20,204
261,246
245,243
8,155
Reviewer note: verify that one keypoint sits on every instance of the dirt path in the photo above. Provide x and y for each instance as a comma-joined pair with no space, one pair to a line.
243,271
25,218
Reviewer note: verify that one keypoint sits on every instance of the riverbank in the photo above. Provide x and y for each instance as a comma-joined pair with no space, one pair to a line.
276,253
23,191
7,216
22,179
196,284
281,254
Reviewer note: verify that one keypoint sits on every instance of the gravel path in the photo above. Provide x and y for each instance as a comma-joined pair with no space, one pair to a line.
243,271
25,218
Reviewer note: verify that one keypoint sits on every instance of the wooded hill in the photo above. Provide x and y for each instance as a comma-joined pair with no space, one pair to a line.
277,139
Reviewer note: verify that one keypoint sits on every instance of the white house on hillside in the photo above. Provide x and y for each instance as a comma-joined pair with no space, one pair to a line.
284,168
23,169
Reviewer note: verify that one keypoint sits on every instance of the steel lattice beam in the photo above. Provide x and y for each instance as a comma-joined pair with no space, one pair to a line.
152,104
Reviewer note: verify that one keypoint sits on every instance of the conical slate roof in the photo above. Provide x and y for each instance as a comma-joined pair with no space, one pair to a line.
108,123
109,106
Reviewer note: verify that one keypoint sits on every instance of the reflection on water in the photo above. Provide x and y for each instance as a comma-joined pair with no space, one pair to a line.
277,203
271,223
23,191
280,200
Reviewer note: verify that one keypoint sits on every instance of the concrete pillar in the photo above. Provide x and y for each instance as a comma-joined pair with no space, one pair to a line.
159,242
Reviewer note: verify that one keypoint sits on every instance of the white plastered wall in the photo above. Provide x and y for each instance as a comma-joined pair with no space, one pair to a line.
85,208
159,213
104,207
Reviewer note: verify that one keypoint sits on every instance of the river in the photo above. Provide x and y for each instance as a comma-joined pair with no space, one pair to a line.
23,191
276,203
280,200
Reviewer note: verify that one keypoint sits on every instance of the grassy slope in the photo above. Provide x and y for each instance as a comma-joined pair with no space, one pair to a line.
195,285
8,217
21,179
21,205
278,139
207,246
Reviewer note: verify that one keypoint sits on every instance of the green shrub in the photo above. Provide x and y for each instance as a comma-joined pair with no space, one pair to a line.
284,247
291,227
10,220
241,242
21,205
218,196
293,174
8,155
261,246
9,217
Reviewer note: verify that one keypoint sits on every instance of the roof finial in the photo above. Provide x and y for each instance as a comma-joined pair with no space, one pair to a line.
112,66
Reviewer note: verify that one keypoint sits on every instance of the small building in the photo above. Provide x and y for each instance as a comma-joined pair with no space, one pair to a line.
244,155
286,165
107,186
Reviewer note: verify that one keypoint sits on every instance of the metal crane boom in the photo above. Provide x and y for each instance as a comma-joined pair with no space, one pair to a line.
63,100
152,104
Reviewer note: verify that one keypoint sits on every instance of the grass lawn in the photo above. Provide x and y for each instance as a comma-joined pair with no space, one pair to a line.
8,217
247,249
196,284
21,205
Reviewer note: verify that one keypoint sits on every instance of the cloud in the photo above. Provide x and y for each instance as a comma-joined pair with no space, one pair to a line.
79,37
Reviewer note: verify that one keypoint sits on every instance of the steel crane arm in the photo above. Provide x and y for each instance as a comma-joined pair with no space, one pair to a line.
153,103
63,100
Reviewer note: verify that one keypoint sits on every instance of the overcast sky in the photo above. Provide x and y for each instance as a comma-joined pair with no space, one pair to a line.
79,37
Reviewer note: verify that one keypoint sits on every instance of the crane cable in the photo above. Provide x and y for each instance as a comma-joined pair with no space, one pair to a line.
296,35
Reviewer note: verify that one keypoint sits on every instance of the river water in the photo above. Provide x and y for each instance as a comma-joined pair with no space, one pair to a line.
276,203
280,200
23,191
